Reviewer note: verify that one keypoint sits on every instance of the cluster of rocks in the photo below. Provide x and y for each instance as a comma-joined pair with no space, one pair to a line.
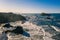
7,28
26,31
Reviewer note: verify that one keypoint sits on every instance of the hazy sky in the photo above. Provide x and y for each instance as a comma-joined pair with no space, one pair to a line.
30,6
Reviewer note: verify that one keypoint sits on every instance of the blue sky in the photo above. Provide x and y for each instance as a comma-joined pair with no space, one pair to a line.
30,6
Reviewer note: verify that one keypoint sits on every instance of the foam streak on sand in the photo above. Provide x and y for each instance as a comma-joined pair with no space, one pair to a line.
55,28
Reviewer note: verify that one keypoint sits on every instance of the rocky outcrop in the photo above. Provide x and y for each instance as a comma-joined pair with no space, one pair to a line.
31,32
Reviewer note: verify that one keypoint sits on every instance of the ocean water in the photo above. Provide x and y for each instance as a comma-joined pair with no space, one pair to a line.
38,19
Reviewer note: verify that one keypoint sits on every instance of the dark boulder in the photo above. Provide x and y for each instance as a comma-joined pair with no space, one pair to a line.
18,30
7,25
